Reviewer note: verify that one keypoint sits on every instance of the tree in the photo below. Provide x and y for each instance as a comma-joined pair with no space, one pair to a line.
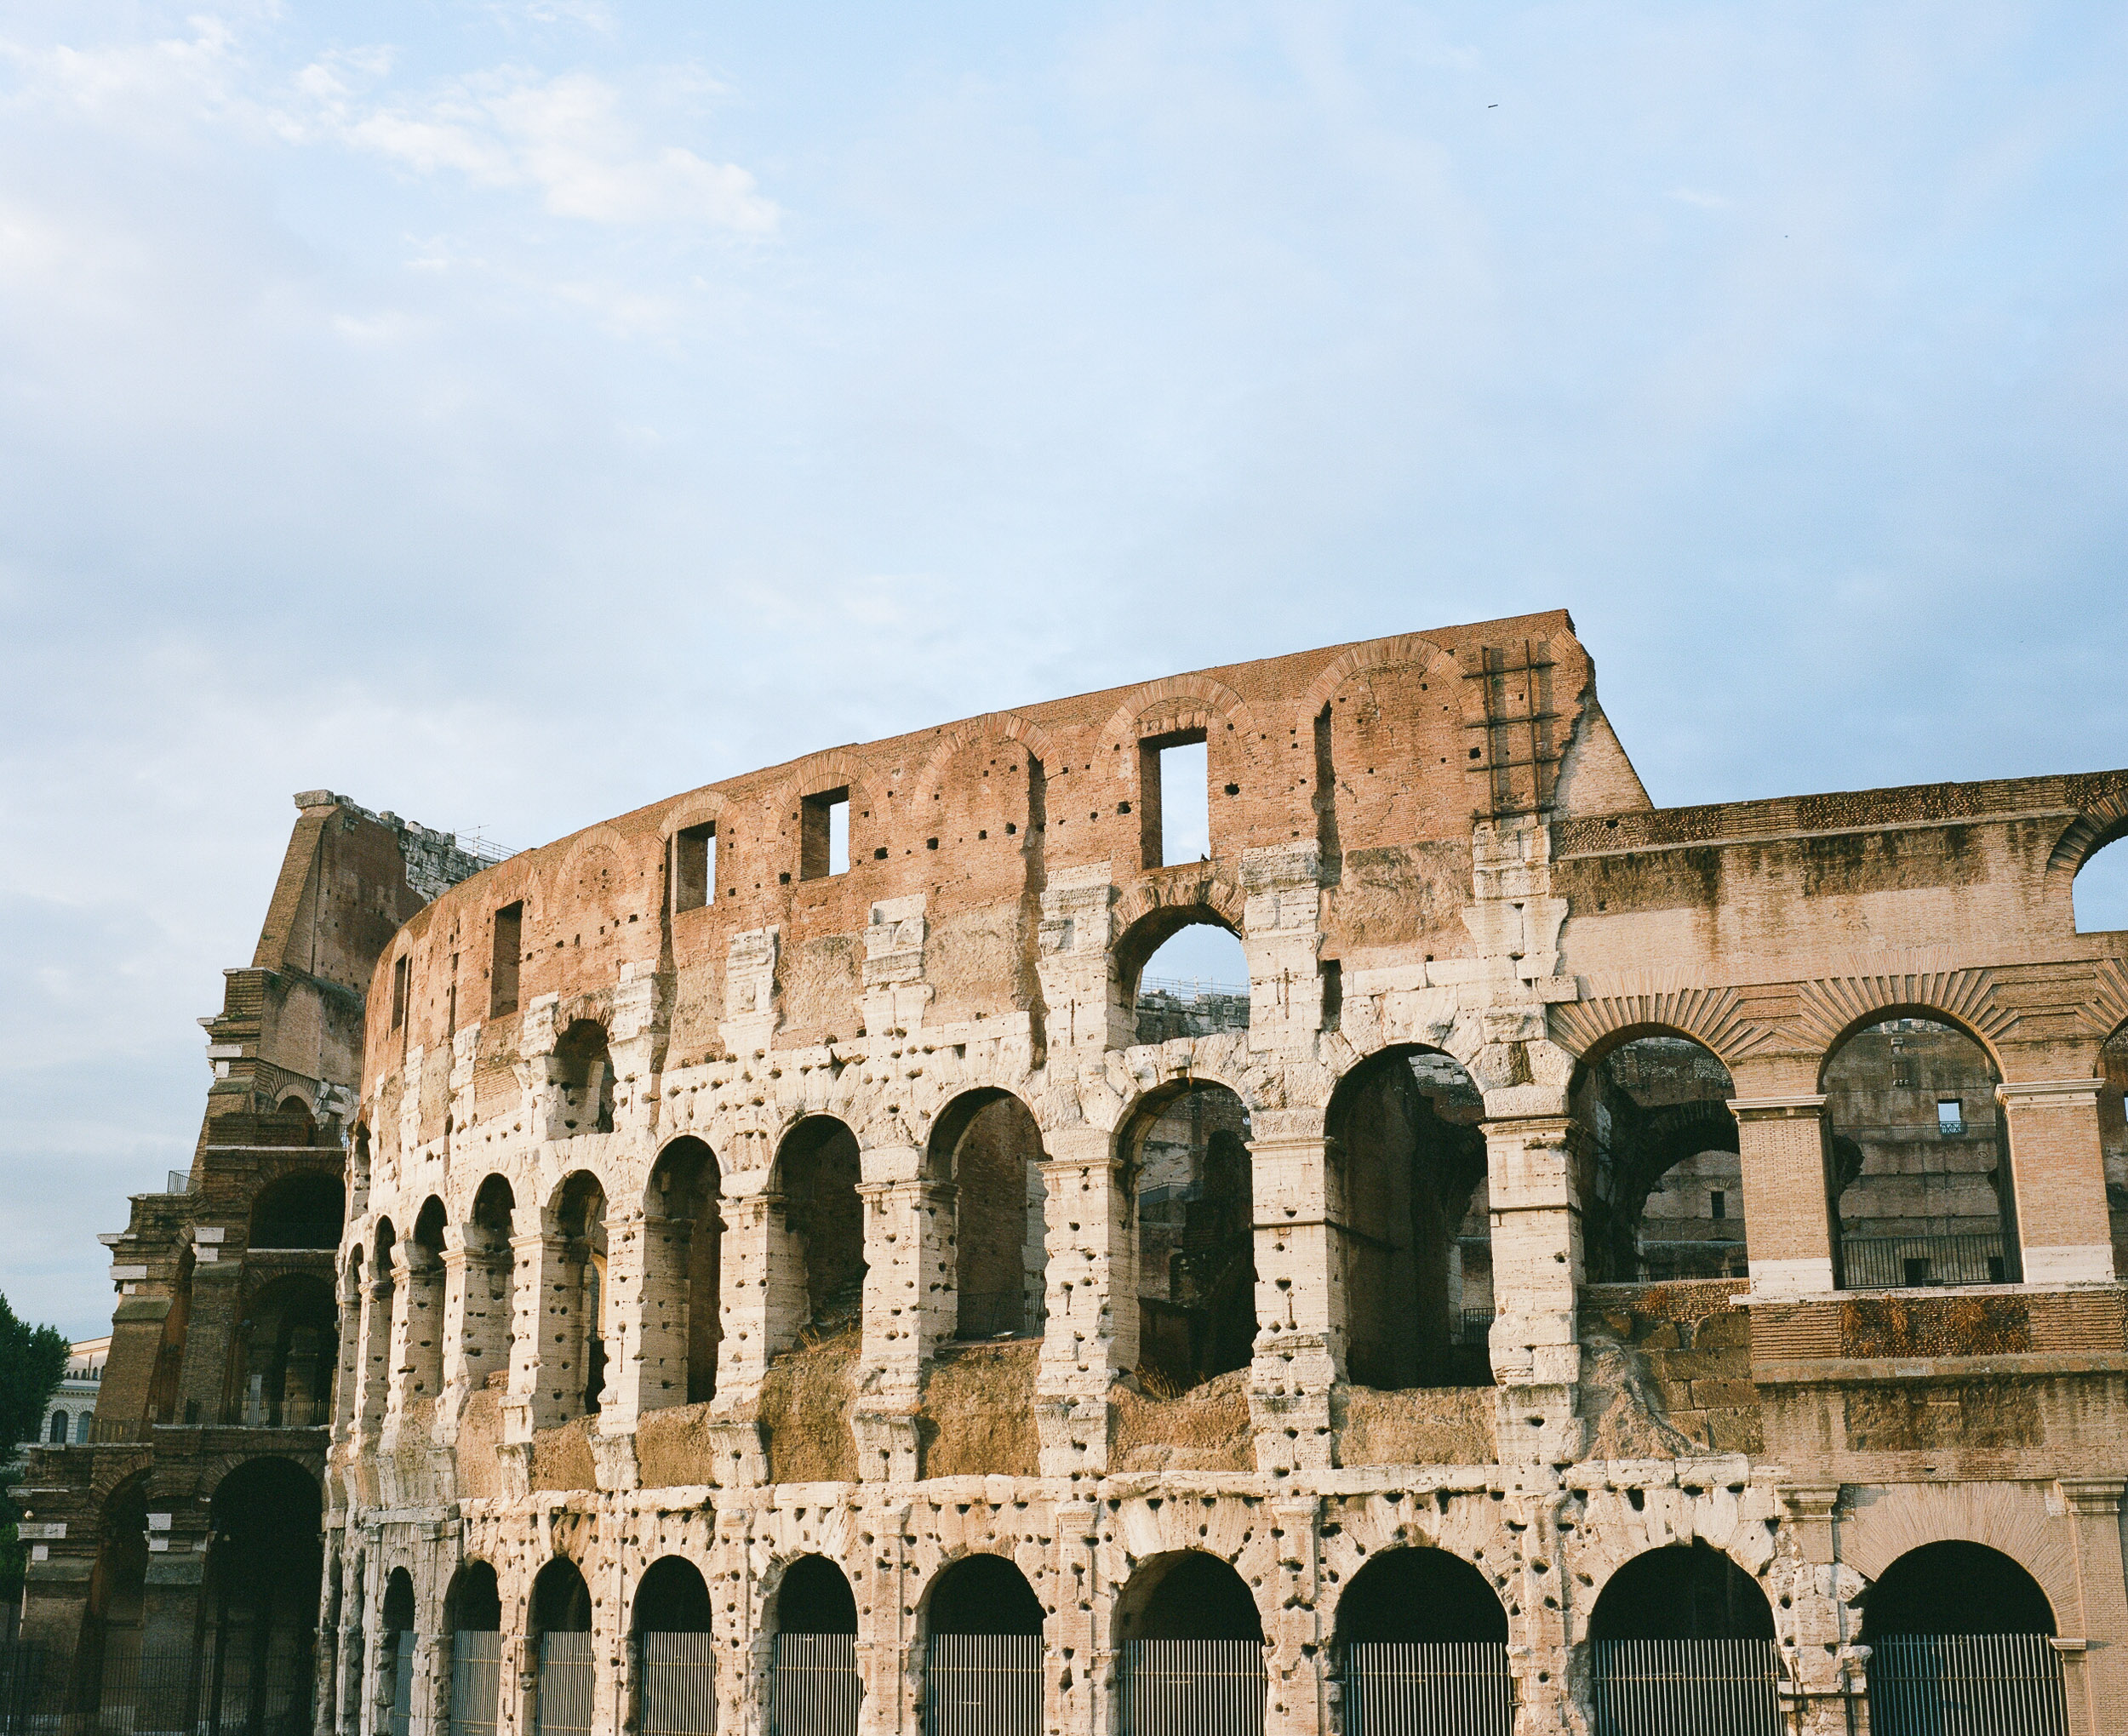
33,1361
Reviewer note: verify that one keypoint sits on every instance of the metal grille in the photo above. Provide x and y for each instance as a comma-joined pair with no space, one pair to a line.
816,1689
402,1719
476,1682
1442,1689
982,1685
565,1678
1193,1688
1685,1687
679,1678
1911,1262
1966,1685
229,1687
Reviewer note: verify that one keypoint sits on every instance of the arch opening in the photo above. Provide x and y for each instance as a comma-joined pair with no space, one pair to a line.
264,1561
1667,1200
982,1655
577,1381
983,1594
2099,893
681,1324
422,1373
1417,1241
816,1598
1188,1155
1420,1597
1675,1631
491,1270
1955,1629
987,1145
1919,1160
472,1617
1187,975
673,1598
583,1069
1421,1643
823,1217
814,1686
561,1620
306,1209
1192,1648
287,1346
1683,1591
675,1659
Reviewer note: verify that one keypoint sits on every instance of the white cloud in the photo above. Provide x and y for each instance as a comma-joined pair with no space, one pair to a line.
1706,201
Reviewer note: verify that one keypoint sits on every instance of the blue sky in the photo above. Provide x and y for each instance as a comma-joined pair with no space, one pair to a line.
509,413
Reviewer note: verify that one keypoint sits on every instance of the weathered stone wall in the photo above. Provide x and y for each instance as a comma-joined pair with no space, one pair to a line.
1431,847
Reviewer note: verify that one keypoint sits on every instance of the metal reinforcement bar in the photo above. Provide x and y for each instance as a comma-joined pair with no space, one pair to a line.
816,1690
1439,1689
679,1678
1685,1687
1193,1688
1966,1685
982,1685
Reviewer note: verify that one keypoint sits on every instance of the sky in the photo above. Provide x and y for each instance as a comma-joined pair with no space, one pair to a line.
510,414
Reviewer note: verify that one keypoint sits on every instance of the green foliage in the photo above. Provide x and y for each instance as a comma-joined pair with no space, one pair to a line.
33,1362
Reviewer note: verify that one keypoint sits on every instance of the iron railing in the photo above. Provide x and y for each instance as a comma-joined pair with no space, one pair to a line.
400,1721
1437,1690
982,1685
1966,1685
679,1679
225,1688
1684,1687
816,1691
1913,1262
1193,1688
476,1682
565,1685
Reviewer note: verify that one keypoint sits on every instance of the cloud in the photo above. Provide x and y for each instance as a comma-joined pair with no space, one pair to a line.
1706,201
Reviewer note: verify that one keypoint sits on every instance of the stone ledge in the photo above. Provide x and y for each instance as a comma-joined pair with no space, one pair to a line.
1878,1371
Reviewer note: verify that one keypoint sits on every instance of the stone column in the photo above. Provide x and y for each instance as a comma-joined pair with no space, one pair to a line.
1090,1334
529,1403
1300,1349
1075,1695
1296,1655
2059,1176
651,1353
764,1301
742,1681
909,1304
1827,1685
1534,1165
2096,1676
1788,1202
373,1364
1537,1637
428,1715
629,1327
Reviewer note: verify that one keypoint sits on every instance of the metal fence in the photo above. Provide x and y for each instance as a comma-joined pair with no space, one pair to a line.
564,1685
227,1688
1913,1262
1685,1687
679,1679
816,1690
400,1721
1193,1688
1966,1685
982,1685
476,1682
21,1686
1441,1689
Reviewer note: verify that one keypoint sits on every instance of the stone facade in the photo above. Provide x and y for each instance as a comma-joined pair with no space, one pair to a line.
658,1253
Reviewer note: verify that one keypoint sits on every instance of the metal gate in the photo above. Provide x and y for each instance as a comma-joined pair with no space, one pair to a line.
564,1687
679,1678
402,1719
1966,1685
476,1682
1685,1687
1193,1688
1440,1689
816,1689
982,1685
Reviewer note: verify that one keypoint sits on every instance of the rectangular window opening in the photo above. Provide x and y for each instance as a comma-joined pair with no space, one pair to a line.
1719,1203
1333,994
1174,798
502,970
398,991
1950,1116
693,866
824,834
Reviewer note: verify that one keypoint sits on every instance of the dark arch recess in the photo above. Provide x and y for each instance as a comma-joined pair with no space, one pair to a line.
1188,1595
474,1602
816,1598
1955,1587
673,1598
398,1601
1687,1591
1420,1597
561,1603
983,1594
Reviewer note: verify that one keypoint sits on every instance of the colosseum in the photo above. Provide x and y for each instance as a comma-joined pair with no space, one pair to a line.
1610,1267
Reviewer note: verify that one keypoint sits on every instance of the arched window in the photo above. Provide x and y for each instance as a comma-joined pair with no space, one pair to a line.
263,1563
814,1686
982,1656
1955,1627
817,1174
303,1210
577,1381
423,1374
1675,1631
684,1239
987,1145
1668,1200
56,1432
112,1633
491,1268
1421,1641
288,1346
397,1639
1192,1648
472,1616
1416,1234
676,1667
561,1627
1191,982
1921,1177
2101,890
1187,1150
583,1068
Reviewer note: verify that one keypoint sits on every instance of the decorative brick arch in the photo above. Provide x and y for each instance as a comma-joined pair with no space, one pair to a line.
2104,819
587,847
1179,702
1654,1004
1211,890
703,807
992,725
2009,1518
1380,653
833,770
1833,1008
